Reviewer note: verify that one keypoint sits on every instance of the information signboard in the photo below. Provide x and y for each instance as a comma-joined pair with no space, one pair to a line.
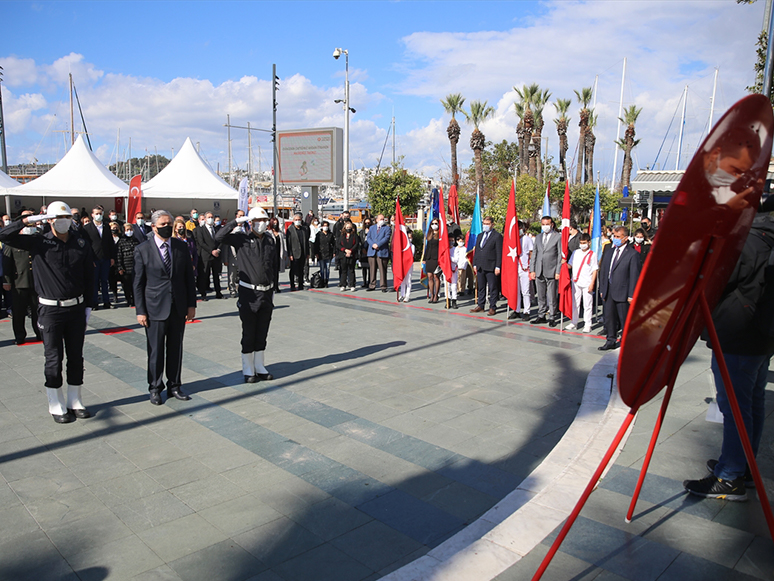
310,156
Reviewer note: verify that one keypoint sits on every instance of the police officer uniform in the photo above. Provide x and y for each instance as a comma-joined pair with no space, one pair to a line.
63,273
256,260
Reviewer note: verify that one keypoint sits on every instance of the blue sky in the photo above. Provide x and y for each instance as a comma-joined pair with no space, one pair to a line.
162,71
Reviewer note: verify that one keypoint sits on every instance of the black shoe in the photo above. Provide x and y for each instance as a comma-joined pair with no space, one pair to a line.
384,290
552,323
179,394
204,298
369,289
607,346
110,306
80,414
264,376
748,479
525,316
64,418
219,297
21,341
277,290
454,304
155,397
251,379
514,315
539,321
714,487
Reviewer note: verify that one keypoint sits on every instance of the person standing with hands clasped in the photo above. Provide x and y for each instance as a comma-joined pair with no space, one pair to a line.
256,257
165,297
486,266
63,273
618,274
584,267
378,241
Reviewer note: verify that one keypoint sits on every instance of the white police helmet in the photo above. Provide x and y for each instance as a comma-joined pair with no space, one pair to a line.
58,210
257,213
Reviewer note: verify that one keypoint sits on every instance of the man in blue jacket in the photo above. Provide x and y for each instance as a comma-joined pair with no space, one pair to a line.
378,241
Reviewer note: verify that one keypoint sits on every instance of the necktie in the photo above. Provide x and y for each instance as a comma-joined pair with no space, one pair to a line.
486,237
545,239
166,257
612,262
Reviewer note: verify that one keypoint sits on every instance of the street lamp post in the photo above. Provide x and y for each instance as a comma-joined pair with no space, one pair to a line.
336,54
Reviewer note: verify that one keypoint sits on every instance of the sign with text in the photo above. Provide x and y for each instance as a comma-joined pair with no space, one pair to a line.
311,156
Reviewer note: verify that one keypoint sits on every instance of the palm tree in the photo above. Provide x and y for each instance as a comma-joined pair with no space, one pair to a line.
539,100
453,104
584,98
519,107
562,106
479,112
590,141
628,143
527,94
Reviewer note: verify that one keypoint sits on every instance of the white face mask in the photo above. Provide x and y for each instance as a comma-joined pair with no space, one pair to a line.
639,239
210,221
584,247
98,218
62,225
721,178
460,244
486,227
546,228
434,226
380,222
325,228
7,222
260,226
297,222
113,217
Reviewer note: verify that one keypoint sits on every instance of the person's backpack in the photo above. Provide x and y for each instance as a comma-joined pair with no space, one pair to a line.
317,281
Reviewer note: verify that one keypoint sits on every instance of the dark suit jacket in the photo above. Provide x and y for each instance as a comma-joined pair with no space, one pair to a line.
103,247
206,243
547,260
621,282
491,255
298,242
156,292
141,233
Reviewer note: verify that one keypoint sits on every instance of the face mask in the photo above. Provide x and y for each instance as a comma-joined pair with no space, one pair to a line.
546,228
434,226
260,226
217,222
486,227
460,244
639,239
62,225
348,229
7,222
181,231
140,222
210,221
164,231
380,223
76,217
325,228
98,218
194,215
584,246
128,232
617,242
297,222
721,178
113,217
201,222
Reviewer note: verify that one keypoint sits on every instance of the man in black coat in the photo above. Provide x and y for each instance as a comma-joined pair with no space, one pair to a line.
486,266
618,274
165,296
104,250
209,253
141,230
298,251
17,277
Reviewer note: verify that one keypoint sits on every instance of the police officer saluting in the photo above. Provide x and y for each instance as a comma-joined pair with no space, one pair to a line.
63,273
256,261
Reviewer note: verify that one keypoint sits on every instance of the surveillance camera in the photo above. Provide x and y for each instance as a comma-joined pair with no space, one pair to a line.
336,53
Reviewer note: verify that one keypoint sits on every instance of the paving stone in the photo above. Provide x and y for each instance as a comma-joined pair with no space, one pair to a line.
239,515
224,561
128,557
277,541
178,538
150,511
323,563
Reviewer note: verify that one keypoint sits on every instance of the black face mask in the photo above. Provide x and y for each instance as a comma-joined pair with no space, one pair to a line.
165,231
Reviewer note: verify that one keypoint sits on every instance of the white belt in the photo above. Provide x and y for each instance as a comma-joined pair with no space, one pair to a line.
64,303
258,287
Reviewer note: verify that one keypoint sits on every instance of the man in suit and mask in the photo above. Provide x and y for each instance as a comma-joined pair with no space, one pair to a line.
165,297
298,251
209,253
544,269
140,230
104,249
618,274
486,266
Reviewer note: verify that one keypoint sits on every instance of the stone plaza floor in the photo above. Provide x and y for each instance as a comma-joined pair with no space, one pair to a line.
388,429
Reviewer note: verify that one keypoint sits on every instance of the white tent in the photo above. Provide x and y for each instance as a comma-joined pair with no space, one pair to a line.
7,182
189,182
79,179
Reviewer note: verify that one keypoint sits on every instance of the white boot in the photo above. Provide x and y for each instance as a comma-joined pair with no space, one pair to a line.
56,405
74,403
260,371
248,367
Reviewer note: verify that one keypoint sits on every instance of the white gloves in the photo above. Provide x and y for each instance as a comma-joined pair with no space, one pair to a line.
39,218
241,220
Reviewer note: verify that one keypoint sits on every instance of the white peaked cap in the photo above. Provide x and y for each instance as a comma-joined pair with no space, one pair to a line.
57,209
257,213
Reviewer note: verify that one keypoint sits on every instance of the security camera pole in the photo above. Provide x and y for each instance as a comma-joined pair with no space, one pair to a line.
336,54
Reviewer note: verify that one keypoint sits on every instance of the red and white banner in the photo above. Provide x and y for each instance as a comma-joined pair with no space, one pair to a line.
509,271
135,198
454,205
565,288
444,256
402,256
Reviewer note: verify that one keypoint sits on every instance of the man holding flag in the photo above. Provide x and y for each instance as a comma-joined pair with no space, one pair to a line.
402,254
565,284
512,246
444,256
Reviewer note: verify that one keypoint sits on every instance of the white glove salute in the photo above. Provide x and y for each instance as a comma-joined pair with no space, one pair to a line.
39,218
241,219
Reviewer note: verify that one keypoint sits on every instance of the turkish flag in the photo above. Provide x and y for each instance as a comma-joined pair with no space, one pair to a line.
509,271
565,286
135,198
402,256
444,256
454,205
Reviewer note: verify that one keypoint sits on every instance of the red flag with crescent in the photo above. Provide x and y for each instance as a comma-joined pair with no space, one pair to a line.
454,205
565,286
444,255
509,271
402,256
135,198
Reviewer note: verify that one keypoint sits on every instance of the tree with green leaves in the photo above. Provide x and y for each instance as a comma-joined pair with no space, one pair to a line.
628,143
453,105
582,200
584,99
526,98
395,183
479,112
562,106
539,101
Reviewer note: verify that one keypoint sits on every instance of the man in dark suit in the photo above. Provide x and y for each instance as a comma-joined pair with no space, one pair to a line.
618,274
165,297
544,269
486,266
378,241
141,231
298,251
209,252
104,250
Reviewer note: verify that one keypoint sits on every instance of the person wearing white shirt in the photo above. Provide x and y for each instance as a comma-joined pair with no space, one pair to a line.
527,247
459,262
583,267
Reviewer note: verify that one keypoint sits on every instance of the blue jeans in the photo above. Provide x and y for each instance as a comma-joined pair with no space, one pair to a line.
101,273
325,268
749,374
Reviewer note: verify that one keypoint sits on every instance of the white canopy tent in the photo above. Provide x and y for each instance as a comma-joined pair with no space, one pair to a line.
7,182
188,182
79,179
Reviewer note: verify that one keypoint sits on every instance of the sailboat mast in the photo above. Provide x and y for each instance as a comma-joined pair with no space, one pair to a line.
682,128
393,138
230,175
712,102
249,155
72,116
618,127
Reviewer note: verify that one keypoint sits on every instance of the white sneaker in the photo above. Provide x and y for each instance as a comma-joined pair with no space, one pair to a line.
351,289
405,299
587,329
569,327
342,288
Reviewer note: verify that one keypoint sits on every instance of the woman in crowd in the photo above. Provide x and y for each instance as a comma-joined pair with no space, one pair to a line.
181,232
430,262
125,261
323,248
641,244
282,249
113,275
347,253
365,270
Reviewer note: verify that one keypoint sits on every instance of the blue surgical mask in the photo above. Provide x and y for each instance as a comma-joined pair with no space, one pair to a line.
486,227
617,242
